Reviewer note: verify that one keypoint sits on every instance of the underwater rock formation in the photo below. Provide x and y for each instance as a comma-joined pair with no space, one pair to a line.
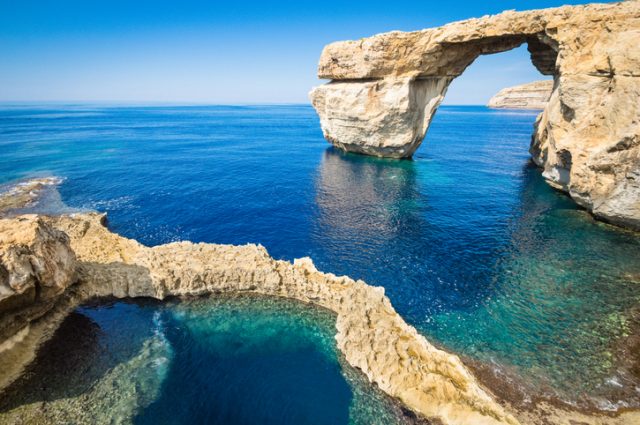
384,91
25,194
533,95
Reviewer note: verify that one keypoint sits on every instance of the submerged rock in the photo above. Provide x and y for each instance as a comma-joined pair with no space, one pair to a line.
533,95
385,89
24,194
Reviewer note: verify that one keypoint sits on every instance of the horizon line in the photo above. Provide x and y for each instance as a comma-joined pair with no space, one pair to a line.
169,103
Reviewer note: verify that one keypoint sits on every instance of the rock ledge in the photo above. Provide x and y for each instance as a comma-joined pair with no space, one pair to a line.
370,334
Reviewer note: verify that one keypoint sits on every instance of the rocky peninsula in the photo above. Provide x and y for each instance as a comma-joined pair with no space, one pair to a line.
49,265
533,95
385,90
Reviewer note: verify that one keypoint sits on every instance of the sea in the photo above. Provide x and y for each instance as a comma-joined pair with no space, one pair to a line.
473,247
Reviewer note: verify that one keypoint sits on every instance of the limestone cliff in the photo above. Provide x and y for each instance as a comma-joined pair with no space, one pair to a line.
385,89
74,258
533,95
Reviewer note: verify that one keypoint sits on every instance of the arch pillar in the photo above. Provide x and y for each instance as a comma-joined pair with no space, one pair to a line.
386,118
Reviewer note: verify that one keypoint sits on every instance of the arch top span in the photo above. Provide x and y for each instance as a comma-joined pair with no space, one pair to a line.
385,89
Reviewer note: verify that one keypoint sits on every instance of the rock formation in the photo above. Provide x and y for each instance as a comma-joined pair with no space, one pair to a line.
385,89
36,266
25,194
533,95
51,264
38,252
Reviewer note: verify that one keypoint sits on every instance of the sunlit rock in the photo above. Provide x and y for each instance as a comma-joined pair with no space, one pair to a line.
370,334
385,89
533,95
36,266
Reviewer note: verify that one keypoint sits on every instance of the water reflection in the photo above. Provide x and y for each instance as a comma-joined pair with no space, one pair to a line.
375,222
376,198
523,280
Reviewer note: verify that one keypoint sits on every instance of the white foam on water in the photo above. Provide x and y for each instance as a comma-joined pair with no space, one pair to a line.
36,195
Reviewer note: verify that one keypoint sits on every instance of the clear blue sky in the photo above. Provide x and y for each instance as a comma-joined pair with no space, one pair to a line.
216,52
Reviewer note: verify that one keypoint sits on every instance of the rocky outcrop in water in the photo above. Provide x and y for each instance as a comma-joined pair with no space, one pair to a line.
533,95
25,194
385,89
370,334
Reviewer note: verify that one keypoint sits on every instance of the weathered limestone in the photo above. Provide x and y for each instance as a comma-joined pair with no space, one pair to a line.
588,138
533,95
372,336
382,117
36,266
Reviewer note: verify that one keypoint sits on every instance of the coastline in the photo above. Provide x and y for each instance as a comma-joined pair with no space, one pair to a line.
371,336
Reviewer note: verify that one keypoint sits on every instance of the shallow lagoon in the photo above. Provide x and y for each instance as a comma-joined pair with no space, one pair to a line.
473,248
224,360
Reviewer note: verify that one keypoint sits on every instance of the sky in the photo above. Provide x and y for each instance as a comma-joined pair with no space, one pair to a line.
194,52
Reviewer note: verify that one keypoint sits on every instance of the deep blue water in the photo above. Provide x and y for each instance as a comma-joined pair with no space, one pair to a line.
472,246
228,361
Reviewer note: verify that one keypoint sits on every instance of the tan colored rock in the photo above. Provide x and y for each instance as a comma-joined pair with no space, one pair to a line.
380,118
533,95
36,266
372,336
386,88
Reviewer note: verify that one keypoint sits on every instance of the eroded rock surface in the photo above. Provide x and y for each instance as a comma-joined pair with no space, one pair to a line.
372,336
84,257
385,89
533,95
36,266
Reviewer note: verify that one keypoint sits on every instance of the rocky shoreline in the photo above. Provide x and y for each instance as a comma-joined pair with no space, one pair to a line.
370,334
52,264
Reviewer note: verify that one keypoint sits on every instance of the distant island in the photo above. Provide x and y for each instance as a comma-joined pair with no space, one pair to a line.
534,95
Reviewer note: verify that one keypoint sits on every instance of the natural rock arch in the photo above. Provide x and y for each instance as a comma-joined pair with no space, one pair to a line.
385,89
389,115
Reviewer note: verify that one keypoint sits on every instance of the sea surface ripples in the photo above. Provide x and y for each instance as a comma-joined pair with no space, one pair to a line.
473,247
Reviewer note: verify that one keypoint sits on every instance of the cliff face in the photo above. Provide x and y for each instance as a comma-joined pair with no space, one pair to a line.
36,266
533,95
386,88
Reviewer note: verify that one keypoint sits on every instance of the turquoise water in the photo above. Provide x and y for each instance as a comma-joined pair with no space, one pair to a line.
231,360
473,248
